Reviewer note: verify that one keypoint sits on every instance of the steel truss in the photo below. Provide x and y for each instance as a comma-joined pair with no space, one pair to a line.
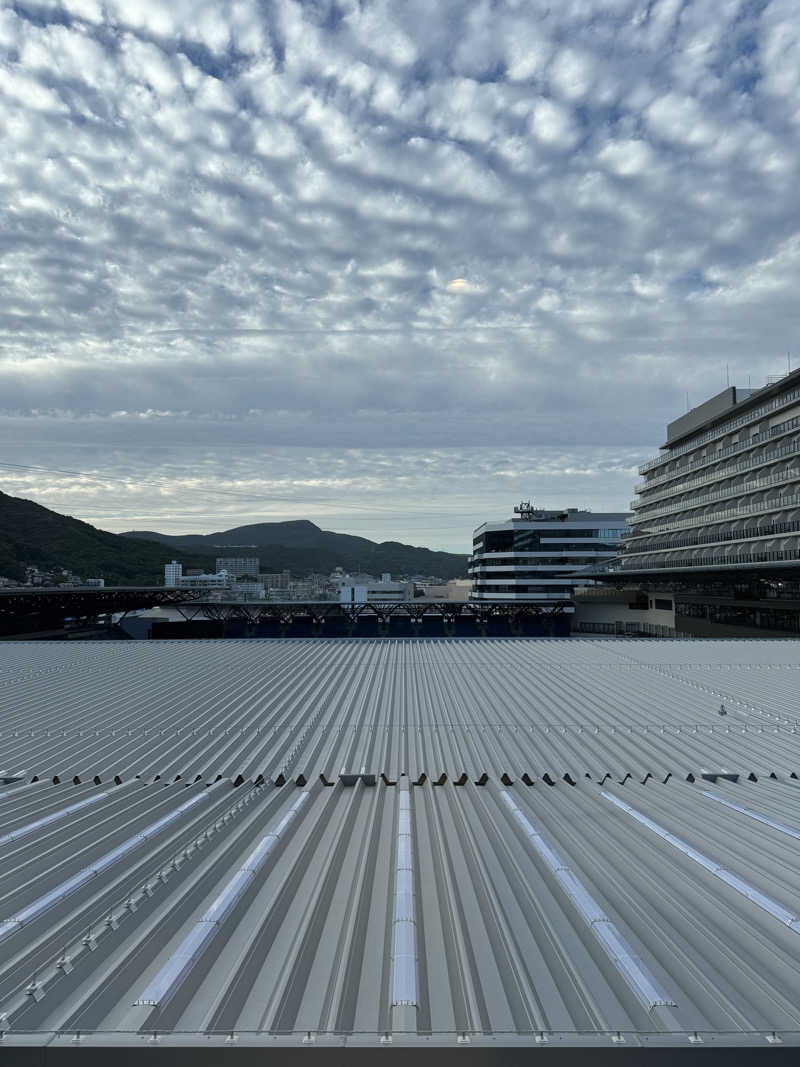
321,612
32,609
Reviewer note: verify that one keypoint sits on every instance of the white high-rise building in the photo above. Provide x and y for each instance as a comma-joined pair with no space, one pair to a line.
172,574
533,558
724,493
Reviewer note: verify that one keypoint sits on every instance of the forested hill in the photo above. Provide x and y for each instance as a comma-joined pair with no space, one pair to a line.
32,535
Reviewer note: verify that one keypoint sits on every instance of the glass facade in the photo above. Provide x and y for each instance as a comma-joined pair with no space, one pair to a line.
536,558
537,540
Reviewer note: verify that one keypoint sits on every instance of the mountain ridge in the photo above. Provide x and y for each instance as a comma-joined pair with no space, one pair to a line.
289,545
33,535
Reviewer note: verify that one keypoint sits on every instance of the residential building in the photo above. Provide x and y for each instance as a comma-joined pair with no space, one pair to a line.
239,567
172,574
95,583
280,580
535,556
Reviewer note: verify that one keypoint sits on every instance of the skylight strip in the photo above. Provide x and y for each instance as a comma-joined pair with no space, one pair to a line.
54,896
632,968
784,829
405,989
788,917
54,816
168,979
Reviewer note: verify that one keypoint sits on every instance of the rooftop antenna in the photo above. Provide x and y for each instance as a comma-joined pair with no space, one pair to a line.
687,399
727,376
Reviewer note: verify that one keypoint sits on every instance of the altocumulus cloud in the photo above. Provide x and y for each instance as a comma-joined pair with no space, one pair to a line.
385,265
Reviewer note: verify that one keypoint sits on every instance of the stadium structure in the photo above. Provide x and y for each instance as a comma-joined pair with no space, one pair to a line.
367,845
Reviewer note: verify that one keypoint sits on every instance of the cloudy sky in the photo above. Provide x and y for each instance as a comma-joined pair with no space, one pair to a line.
388,266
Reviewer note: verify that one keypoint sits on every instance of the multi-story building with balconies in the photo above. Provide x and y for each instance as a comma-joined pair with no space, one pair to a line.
724,494
238,567
534,557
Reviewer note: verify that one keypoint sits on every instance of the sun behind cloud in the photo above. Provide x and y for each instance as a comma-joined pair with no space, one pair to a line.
458,285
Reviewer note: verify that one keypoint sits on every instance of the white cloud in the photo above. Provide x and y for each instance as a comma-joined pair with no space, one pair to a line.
367,224
627,158
572,74
680,118
552,124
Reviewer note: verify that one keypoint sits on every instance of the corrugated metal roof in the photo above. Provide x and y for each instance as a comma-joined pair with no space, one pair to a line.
301,708
649,911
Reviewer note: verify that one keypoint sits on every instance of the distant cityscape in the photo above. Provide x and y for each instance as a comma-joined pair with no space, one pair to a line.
712,544
240,578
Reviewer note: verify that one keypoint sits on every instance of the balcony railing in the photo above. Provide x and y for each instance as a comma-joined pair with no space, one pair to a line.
773,504
713,562
720,431
714,457
727,472
775,529
722,494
